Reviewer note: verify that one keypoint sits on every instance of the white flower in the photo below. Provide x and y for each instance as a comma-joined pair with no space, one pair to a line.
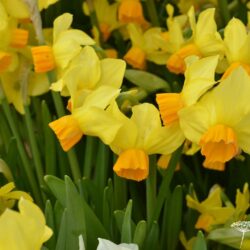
108,245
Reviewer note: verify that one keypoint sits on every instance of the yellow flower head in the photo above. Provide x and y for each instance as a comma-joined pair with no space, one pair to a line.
199,77
211,209
23,230
144,47
138,137
203,43
87,72
66,45
217,124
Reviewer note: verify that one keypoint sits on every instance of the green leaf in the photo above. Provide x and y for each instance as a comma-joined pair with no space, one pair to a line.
126,235
200,242
49,215
173,218
62,236
140,233
152,240
49,141
146,80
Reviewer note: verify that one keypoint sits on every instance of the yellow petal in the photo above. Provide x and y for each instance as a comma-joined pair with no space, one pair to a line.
38,84
199,77
61,23
97,122
112,72
235,36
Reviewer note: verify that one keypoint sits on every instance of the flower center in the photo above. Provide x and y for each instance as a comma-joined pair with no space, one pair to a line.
169,105
176,63
136,57
218,145
132,164
43,58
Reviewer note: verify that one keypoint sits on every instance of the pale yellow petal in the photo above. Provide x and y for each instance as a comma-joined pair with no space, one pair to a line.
112,72
97,122
44,4
16,8
136,35
235,36
199,77
61,23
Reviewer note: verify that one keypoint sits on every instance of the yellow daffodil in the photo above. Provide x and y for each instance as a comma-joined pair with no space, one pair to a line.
8,196
236,40
87,72
217,124
23,230
211,209
199,77
140,136
188,244
90,118
66,45
107,22
144,47
203,43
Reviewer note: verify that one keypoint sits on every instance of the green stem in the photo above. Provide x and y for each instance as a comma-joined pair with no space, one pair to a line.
25,161
89,155
74,165
164,188
224,10
151,188
33,145
152,12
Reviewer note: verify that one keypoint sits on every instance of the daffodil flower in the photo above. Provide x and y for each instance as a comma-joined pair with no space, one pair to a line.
199,78
138,137
23,230
203,43
236,40
211,209
218,125
87,72
144,47
86,118
185,5
66,45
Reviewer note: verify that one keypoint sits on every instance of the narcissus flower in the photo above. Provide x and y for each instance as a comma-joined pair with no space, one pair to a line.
184,5
211,209
199,77
203,43
140,136
8,196
144,47
236,40
66,45
87,72
86,118
218,125
23,230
